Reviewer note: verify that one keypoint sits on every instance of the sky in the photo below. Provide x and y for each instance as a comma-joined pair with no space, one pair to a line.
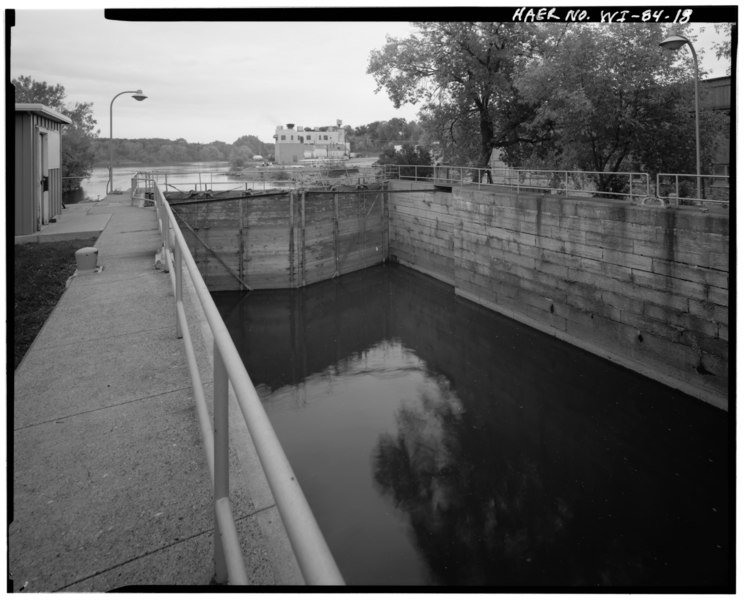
208,81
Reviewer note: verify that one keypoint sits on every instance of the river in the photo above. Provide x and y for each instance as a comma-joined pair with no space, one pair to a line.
439,443
94,187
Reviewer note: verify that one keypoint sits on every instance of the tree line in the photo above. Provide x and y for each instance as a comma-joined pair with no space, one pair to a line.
371,139
154,151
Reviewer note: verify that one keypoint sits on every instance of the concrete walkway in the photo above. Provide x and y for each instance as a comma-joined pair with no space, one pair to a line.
110,485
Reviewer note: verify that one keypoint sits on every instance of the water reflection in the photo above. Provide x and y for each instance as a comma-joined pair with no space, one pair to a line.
439,443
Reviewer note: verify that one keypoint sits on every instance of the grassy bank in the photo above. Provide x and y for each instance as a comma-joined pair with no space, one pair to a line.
41,272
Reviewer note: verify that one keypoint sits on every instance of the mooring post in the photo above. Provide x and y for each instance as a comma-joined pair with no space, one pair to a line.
242,230
291,242
384,227
336,234
303,238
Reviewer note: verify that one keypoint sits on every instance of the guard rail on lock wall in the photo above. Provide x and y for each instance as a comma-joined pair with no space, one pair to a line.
675,189
688,189
620,185
310,548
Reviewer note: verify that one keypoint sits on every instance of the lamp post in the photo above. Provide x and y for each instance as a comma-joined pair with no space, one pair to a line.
675,42
138,95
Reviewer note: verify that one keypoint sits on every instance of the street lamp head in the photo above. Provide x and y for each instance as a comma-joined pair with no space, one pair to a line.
139,96
673,42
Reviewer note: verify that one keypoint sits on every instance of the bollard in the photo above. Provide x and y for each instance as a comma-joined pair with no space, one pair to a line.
86,259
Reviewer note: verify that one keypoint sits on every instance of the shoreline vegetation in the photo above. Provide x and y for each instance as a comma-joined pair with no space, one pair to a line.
258,170
41,273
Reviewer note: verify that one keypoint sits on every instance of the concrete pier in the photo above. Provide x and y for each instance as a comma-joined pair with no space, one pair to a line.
110,486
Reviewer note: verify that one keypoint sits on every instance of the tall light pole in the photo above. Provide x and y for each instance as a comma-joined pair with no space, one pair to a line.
138,95
675,42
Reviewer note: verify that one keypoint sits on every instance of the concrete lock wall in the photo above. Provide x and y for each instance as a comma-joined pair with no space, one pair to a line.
285,240
646,287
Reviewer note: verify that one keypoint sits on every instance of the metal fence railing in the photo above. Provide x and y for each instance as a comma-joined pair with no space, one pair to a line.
683,189
264,179
670,189
597,184
315,560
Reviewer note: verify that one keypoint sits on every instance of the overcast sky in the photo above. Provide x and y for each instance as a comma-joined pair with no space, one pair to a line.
209,81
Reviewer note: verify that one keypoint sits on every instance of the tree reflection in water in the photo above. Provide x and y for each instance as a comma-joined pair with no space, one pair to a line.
471,523
514,459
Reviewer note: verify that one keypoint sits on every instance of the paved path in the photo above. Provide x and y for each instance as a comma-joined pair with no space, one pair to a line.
110,485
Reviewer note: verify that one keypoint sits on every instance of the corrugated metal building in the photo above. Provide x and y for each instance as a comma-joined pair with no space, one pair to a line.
38,166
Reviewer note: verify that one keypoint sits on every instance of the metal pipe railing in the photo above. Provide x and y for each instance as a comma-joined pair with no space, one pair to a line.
676,186
317,564
551,181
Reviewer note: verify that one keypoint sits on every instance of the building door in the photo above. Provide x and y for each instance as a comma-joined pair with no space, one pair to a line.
41,177
44,179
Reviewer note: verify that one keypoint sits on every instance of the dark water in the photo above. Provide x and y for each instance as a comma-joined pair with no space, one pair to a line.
440,443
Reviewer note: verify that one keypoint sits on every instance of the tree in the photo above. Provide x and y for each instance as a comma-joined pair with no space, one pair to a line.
78,152
463,73
629,108
210,153
408,155
241,156
723,46
255,145
377,136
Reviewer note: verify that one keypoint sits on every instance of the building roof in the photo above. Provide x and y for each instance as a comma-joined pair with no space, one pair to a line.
44,111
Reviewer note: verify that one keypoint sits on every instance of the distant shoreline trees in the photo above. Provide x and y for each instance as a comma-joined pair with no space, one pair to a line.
155,151
374,139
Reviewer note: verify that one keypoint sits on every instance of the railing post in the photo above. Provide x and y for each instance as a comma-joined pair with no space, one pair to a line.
630,188
178,280
164,232
220,426
159,213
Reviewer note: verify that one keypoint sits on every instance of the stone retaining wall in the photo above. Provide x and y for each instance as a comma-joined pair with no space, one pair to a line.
644,286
